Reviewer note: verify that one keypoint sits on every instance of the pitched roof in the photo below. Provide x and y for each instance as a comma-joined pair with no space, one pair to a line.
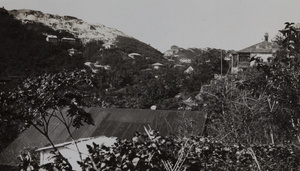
121,123
157,64
262,47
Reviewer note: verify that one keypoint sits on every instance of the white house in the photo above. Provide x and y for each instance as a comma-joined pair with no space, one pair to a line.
265,51
157,65
51,38
108,45
67,39
132,55
185,60
69,150
189,70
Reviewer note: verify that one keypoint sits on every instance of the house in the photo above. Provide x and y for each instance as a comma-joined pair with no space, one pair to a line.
120,123
174,50
109,45
69,150
51,38
132,55
68,40
73,52
97,65
189,70
264,51
185,60
157,65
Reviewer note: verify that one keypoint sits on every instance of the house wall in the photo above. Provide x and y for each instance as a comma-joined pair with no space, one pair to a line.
70,152
242,60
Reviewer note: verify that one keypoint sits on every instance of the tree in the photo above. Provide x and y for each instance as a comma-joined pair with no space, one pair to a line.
63,96
283,82
265,97
234,113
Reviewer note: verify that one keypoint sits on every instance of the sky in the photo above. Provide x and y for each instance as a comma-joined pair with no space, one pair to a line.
225,24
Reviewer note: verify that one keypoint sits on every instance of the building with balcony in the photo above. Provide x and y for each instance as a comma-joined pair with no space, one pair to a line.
264,51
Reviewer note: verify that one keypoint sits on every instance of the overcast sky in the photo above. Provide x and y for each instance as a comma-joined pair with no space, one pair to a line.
226,24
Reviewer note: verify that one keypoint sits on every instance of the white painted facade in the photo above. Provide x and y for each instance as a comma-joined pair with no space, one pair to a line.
69,150
185,60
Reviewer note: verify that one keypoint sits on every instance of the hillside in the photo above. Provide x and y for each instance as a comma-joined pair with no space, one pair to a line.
79,28
124,66
24,51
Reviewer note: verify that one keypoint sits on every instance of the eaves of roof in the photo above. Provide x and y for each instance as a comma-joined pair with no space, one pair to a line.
262,47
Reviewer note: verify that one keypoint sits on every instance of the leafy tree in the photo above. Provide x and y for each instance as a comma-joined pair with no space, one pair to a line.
253,98
234,113
156,152
283,78
61,96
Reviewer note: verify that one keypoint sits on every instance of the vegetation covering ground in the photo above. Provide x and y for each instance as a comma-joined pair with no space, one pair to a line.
264,97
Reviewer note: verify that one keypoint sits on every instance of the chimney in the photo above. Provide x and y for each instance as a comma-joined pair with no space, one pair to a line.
266,36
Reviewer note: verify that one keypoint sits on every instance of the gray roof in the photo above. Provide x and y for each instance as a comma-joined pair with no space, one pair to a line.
262,47
120,123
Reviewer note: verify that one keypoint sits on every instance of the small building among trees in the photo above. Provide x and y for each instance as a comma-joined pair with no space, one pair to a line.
68,40
51,38
157,65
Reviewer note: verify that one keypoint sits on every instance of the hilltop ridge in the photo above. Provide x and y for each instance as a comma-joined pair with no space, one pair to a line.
80,29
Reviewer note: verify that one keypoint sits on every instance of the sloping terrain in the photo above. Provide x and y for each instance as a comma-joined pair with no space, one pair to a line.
79,28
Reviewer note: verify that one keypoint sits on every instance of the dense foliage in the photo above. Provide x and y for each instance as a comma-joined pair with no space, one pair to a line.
134,83
193,153
131,45
41,99
266,97
152,151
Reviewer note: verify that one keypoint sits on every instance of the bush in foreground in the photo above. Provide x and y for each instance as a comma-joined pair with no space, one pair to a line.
152,151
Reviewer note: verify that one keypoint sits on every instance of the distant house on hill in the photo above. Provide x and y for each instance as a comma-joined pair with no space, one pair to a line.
185,60
51,38
68,40
265,51
157,65
109,45
133,55
73,52
189,70
120,123
174,49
